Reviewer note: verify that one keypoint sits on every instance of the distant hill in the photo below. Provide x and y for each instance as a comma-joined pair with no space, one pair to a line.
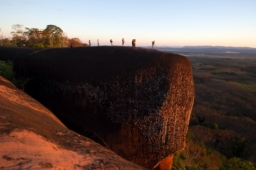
210,49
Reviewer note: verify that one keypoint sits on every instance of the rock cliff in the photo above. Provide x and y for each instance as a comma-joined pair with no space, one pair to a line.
134,101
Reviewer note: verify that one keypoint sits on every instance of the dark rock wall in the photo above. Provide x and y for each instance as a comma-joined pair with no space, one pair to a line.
136,102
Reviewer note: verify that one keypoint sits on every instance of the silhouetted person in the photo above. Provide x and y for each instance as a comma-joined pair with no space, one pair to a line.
98,42
111,42
71,46
133,42
89,43
153,44
123,42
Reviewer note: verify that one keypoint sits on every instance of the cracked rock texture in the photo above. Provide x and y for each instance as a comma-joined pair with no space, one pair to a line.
136,102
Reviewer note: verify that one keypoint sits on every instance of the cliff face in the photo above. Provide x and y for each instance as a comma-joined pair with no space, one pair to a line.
134,101
31,137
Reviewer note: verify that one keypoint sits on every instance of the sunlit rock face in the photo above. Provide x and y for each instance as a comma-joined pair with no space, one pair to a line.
31,137
137,102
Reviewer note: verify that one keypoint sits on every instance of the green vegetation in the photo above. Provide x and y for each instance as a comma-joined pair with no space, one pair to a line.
6,71
197,156
39,46
223,122
250,87
178,161
237,164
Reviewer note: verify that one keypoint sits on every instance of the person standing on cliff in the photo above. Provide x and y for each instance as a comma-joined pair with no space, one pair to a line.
98,42
123,42
89,43
153,44
133,42
111,42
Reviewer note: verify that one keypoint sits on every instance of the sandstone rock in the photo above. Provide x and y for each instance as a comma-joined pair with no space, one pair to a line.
30,138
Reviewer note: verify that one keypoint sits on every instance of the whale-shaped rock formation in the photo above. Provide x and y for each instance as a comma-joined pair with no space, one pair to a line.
31,137
136,102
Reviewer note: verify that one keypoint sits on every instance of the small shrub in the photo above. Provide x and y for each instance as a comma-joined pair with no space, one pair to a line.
182,156
22,82
39,46
215,126
190,135
238,147
225,166
178,162
6,71
208,151
237,164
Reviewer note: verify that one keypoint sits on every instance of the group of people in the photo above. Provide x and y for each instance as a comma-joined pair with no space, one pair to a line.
133,42
111,42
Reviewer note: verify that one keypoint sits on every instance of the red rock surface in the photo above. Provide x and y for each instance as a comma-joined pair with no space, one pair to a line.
31,137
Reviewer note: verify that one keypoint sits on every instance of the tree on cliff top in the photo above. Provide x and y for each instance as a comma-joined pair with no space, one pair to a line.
75,42
17,35
55,35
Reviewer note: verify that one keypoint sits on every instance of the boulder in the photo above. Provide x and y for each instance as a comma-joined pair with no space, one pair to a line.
136,102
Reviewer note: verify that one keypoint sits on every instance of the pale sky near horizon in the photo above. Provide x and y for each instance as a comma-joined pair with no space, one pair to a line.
168,22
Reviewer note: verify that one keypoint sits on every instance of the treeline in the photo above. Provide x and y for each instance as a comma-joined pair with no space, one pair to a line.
50,37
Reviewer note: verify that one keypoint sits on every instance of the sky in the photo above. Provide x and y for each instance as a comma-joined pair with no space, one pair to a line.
168,22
